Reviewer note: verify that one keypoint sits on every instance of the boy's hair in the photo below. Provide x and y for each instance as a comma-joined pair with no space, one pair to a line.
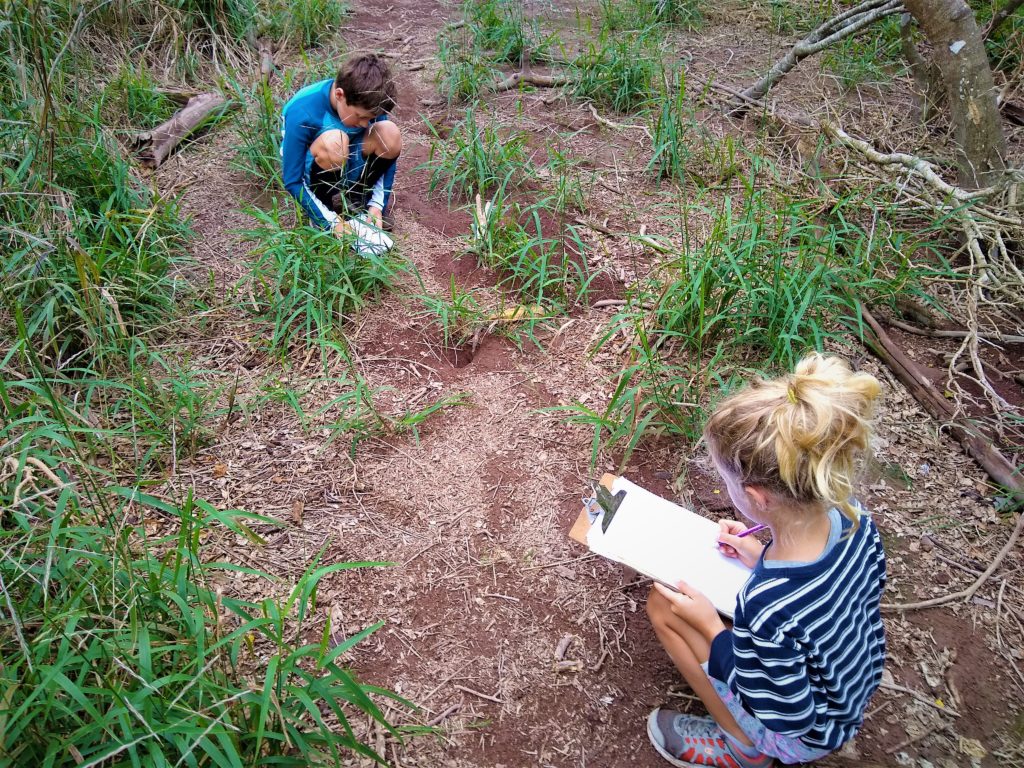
367,83
801,435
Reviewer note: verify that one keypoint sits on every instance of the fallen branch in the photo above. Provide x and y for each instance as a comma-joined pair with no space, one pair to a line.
618,126
266,52
939,333
974,442
994,277
155,146
516,79
979,447
832,31
921,168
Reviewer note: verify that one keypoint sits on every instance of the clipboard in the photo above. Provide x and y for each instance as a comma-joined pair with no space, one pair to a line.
661,540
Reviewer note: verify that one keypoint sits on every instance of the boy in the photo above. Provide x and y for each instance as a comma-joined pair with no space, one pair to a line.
338,147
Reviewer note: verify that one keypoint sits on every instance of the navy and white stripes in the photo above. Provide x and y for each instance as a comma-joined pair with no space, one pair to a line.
807,647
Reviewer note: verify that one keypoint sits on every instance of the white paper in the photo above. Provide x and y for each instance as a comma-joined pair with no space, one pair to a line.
669,543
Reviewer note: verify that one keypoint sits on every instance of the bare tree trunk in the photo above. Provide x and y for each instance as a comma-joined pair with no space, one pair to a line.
959,53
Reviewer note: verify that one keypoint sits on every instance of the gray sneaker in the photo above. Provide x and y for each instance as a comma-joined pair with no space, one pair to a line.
686,740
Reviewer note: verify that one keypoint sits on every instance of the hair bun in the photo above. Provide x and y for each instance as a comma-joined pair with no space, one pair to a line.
802,434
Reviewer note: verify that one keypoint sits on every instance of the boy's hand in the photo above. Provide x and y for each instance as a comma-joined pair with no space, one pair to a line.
693,607
747,549
341,228
374,214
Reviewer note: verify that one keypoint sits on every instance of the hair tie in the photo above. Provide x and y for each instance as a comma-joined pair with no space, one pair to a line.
791,393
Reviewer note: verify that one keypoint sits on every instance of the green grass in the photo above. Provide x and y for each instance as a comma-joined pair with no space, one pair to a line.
473,159
259,150
873,56
618,70
303,23
125,634
465,73
498,28
771,277
562,173
639,14
542,263
306,281
127,639
133,100
458,314
101,266
674,127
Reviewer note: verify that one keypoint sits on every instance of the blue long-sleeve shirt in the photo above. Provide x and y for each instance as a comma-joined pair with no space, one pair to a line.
306,115
807,647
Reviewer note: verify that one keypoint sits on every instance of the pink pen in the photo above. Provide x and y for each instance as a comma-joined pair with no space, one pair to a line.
749,531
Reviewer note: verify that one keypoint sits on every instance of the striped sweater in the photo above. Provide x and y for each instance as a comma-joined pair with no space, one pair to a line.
807,646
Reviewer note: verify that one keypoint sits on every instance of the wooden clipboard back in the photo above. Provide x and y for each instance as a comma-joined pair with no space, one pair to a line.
579,529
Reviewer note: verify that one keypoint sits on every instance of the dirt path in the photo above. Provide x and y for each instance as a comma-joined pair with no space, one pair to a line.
474,513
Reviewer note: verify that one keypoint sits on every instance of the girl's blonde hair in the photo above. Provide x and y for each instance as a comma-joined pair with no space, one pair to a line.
801,435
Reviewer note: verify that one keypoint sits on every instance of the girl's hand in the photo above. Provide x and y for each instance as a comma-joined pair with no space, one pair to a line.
747,550
693,607
374,214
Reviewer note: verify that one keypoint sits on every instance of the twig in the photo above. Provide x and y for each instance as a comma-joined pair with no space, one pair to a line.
495,699
596,227
618,126
937,728
438,718
965,594
920,697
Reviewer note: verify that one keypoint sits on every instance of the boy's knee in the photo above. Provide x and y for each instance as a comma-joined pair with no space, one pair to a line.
330,150
386,139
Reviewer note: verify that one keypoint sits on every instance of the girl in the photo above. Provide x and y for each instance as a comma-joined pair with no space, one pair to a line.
792,677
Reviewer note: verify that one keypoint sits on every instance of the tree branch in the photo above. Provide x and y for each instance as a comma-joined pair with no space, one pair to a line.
1000,17
842,26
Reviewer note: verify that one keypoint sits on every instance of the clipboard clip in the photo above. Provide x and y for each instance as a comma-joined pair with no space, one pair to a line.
609,503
